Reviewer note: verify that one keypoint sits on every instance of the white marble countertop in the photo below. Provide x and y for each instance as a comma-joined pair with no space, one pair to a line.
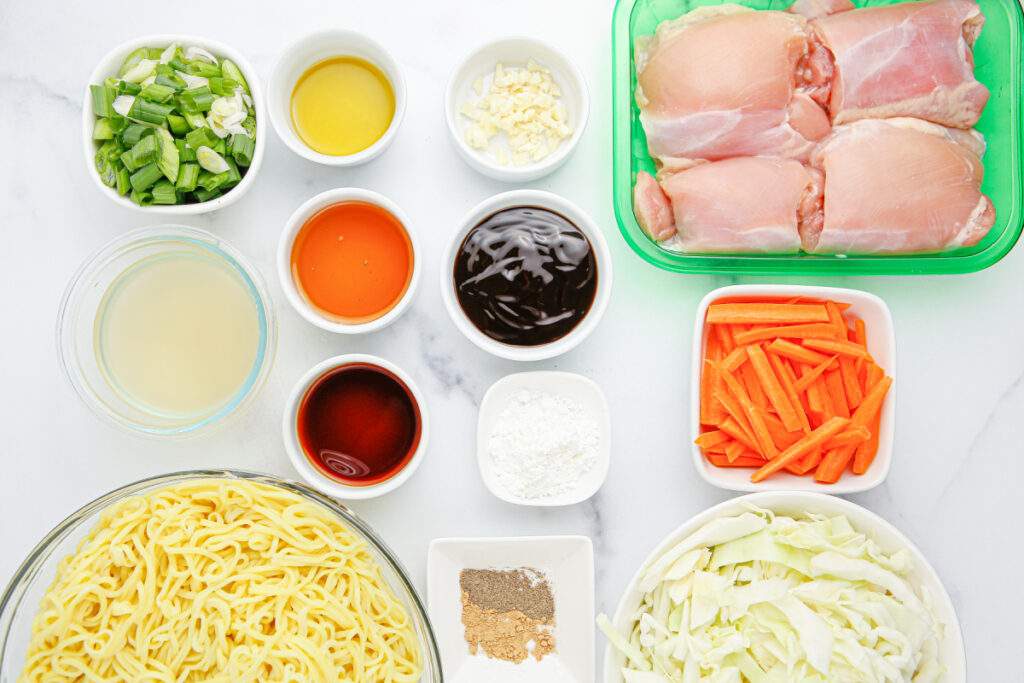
959,430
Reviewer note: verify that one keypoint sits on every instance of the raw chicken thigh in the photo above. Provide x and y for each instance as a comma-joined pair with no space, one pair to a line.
899,186
745,204
729,81
907,59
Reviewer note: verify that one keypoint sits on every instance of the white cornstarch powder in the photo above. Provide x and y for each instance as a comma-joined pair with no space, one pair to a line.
542,444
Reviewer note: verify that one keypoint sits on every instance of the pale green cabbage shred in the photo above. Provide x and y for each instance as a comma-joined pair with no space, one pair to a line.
766,598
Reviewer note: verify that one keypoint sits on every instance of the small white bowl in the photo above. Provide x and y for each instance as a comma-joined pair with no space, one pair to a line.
575,215
516,51
297,455
109,66
799,503
316,47
577,387
881,345
568,564
284,255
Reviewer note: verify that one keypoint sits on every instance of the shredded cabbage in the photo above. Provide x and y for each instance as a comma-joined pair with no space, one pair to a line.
763,598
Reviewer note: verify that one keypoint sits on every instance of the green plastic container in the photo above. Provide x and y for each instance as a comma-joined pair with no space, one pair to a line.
997,57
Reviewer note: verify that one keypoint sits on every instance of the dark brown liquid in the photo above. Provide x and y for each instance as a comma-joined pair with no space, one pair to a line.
359,424
525,276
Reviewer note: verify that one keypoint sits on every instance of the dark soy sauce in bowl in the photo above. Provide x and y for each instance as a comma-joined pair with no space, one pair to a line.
359,424
525,276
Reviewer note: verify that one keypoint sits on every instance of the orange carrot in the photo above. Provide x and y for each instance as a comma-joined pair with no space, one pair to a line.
754,389
712,438
796,352
848,369
843,348
773,388
747,460
834,384
781,437
736,412
710,409
724,336
872,404
809,377
788,457
860,332
809,462
835,318
853,436
785,375
733,429
865,453
806,331
736,358
765,313
733,450
757,427
833,465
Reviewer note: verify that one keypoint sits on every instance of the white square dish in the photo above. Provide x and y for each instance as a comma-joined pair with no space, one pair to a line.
576,387
568,564
881,345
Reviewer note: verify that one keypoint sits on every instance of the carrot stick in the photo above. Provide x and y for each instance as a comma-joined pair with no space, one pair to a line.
724,336
733,450
710,408
772,388
848,369
843,348
781,437
809,461
788,457
796,352
833,465
811,376
785,375
806,331
834,385
765,313
866,450
754,389
748,460
853,436
712,438
736,358
828,409
735,411
872,404
717,448
733,429
860,332
757,427
835,317
874,375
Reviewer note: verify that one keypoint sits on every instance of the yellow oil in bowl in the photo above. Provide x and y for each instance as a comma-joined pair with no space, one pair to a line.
342,105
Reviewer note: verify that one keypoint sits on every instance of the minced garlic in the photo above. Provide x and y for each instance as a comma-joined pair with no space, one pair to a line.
526,105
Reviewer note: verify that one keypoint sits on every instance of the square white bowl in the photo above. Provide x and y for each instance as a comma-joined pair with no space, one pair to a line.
568,564
881,345
576,387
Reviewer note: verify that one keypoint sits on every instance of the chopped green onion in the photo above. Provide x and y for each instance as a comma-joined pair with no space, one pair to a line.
178,124
145,151
194,119
132,60
185,153
212,181
169,160
141,71
206,195
149,112
154,92
241,149
102,129
134,133
177,64
126,88
166,76
211,160
128,161
144,178
249,124
105,169
103,99
198,67
141,197
123,181
220,147
231,71
223,86
234,176
196,99
201,137
164,193
188,176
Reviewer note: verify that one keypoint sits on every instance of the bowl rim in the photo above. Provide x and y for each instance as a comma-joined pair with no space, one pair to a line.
117,54
233,257
602,255
879,470
291,231
604,453
484,164
10,599
772,500
344,38
296,453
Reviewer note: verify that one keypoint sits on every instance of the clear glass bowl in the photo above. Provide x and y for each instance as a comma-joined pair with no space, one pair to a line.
997,64
83,300
21,599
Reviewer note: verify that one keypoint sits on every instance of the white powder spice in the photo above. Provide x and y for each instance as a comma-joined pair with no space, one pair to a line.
542,444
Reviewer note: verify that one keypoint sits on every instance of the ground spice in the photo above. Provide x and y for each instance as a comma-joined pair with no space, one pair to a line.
510,614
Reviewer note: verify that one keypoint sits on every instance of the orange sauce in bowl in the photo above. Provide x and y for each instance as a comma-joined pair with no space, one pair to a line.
353,261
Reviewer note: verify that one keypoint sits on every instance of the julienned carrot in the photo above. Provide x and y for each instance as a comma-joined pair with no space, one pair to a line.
735,411
781,437
798,353
733,450
854,393
792,454
805,331
733,429
712,438
748,460
757,426
853,436
773,388
835,318
765,313
809,462
872,404
785,375
843,348
736,358
754,389
836,392
833,465
724,336
865,453
860,332
809,377
710,409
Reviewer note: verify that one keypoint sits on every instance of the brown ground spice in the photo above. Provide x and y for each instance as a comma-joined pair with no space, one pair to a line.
504,611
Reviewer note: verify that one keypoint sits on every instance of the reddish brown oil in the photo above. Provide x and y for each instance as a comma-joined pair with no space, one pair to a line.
359,424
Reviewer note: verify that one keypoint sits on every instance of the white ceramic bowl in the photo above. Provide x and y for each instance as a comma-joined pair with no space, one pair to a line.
567,562
881,345
516,51
309,472
584,391
951,650
109,66
284,255
578,217
316,47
